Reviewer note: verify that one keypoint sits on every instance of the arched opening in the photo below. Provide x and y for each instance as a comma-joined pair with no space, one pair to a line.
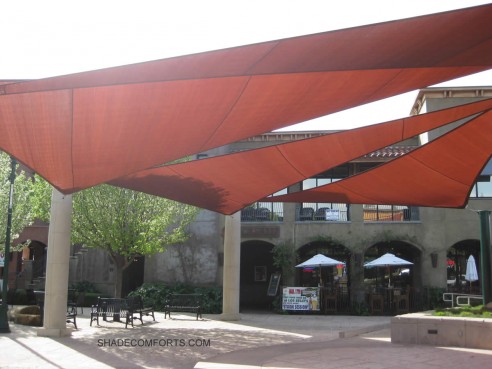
457,257
393,283
401,276
256,269
334,280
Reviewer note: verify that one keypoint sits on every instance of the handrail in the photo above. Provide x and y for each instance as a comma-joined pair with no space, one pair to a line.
468,298
452,297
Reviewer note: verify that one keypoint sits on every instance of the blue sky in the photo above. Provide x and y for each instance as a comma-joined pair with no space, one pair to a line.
55,37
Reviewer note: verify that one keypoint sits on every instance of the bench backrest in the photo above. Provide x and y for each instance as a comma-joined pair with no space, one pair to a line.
191,299
111,305
135,302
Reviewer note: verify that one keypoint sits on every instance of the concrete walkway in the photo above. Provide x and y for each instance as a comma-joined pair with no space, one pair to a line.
259,340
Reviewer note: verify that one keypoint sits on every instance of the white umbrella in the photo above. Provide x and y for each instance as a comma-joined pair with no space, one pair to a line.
387,260
471,270
319,261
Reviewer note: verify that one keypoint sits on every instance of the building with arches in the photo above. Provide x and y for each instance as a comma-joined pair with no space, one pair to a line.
436,240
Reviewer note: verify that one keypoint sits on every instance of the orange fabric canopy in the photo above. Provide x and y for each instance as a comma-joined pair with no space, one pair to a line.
439,174
84,129
228,183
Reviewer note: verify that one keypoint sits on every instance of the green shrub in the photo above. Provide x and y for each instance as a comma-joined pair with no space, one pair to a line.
464,311
19,298
91,298
156,294
84,286
360,308
432,298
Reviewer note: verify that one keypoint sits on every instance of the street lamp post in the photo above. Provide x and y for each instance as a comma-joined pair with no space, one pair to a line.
4,321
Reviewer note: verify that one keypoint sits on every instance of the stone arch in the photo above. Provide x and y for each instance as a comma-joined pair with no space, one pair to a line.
256,269
336,279
457,257
329,248
404,276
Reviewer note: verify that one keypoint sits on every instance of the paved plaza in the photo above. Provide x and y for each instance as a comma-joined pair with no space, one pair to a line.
258,340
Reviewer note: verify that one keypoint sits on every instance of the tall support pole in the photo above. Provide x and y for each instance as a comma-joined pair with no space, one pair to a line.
232,264
4,321
57,267
485,255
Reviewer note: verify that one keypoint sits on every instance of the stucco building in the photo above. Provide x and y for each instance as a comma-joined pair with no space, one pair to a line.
436,241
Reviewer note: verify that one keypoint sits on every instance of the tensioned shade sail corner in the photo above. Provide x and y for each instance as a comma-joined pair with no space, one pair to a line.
80,130
439,174
228,183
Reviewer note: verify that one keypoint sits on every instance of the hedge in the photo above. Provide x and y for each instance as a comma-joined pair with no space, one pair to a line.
156,294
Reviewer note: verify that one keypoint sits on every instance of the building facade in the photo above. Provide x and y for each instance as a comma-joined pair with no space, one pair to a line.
436,241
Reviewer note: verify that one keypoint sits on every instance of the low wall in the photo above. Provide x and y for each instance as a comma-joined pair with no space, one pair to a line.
425,329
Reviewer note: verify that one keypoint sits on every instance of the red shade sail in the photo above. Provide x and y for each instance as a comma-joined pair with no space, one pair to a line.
226,184
87,128
439,174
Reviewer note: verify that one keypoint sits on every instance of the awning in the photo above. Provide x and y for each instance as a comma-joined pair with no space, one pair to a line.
226,184
87,128
439,174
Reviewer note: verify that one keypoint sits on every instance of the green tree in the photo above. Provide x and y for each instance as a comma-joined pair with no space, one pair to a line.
128,224
284,258
23,198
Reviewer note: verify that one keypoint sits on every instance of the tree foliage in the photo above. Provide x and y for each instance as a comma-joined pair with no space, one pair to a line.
284,258
128,224
23,199
124,223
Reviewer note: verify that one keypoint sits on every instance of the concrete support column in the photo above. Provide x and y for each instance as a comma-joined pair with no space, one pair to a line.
232,263
57,267
485,255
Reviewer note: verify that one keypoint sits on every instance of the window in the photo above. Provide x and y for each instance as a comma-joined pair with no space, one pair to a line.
482,188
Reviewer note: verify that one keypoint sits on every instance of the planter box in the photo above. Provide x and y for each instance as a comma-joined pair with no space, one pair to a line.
424,329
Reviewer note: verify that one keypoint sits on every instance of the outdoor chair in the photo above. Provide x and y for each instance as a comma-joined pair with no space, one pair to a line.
262,214
377,304
401,302
320,214
331,302
306,214
248,214
77,301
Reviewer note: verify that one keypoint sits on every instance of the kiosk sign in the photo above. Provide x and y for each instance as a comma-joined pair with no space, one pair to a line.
300,298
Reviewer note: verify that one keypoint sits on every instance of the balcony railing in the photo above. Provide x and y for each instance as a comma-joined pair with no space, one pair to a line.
323,213
390,213
333,212
263,212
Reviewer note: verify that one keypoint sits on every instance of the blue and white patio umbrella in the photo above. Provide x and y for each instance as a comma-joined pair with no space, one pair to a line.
318,261
387,260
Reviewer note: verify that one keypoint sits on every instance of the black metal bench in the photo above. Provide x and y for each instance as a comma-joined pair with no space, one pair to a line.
115,308
71,316
184,303
136,306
